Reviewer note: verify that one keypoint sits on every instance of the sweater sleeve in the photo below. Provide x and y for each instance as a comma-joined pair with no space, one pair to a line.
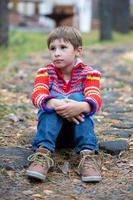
92,91
41,94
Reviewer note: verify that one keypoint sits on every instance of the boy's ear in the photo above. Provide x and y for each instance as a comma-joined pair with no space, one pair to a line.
79,51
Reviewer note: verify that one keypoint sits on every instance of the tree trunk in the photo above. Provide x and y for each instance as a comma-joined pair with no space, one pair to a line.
121,15
4,23
105,15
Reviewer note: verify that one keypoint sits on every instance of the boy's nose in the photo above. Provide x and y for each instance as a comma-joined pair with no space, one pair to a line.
57,52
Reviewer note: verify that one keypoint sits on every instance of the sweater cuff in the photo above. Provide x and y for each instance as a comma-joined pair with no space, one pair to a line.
43,104
93,106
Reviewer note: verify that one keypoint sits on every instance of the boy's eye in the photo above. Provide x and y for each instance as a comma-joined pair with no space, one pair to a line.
63,47
52,48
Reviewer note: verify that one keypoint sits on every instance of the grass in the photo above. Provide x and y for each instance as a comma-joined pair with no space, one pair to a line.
131,10
22,44
118,38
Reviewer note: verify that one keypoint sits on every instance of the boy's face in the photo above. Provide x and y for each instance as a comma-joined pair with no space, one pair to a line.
63,53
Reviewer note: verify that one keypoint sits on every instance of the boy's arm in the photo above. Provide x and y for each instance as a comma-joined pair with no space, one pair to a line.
72,108
92,91
41,94
92,99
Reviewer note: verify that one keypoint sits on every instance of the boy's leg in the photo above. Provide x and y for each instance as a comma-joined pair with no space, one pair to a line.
65,138
86,145
84,135
48,128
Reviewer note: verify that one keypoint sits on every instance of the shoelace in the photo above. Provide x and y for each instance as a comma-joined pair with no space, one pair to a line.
91,159
41,158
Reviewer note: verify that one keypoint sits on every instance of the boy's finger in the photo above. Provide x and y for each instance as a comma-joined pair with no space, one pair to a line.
80,118
61,113
60,107
75,120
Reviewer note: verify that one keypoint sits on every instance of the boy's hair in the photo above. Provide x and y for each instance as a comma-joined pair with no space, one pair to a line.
68,34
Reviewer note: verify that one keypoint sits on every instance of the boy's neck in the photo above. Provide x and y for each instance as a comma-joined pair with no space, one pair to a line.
68,70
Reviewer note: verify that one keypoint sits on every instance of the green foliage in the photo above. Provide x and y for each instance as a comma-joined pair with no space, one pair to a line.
22,44
5,110
131,10
92,39
122,84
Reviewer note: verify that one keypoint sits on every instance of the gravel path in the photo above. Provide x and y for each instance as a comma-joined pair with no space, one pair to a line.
114,128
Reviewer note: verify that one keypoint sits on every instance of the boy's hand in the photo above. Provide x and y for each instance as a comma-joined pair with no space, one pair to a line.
67,108
77,119
72,109
53,103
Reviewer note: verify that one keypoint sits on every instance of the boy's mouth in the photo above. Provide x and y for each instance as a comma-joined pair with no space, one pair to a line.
58,61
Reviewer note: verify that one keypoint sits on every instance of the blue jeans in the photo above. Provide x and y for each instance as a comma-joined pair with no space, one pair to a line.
50,126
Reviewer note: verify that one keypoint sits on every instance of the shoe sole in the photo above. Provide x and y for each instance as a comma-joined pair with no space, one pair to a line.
91,179
35,175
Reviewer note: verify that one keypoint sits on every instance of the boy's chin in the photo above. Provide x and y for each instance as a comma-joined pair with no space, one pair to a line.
60,66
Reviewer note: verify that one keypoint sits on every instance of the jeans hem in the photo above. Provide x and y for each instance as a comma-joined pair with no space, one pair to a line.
44,146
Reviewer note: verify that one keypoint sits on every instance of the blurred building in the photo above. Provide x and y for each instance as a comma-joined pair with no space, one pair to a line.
50,13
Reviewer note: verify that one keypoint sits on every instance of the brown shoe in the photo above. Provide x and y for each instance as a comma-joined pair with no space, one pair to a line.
41,162
88,167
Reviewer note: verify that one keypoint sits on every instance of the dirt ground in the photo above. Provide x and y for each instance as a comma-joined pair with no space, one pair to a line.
18,125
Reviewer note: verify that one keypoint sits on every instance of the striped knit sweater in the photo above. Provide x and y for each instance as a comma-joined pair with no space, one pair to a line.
83,79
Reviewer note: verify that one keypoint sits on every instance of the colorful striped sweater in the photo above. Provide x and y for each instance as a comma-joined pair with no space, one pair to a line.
83,80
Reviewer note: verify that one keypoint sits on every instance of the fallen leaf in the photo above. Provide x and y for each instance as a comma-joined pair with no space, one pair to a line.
13,117
104,169
11,173
130,164
48,192
73,197
37,196
27,192
65,168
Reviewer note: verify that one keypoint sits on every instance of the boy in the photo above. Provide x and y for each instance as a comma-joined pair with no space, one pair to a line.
66,90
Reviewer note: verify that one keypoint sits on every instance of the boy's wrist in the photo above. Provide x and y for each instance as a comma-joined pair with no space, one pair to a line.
53,103
86,107
50,103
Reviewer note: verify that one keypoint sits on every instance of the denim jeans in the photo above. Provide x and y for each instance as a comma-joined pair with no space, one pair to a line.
50,127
